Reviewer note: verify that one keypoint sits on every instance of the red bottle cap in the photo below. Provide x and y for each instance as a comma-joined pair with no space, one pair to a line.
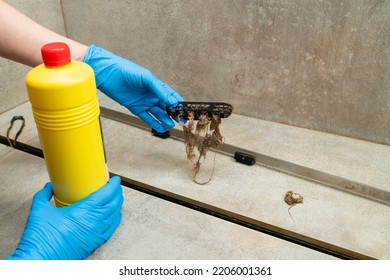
55,54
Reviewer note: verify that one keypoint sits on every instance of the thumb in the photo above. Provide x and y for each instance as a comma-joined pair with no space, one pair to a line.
45,194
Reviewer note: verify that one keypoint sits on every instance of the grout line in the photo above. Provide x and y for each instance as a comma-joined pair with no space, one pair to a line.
11,108
63,18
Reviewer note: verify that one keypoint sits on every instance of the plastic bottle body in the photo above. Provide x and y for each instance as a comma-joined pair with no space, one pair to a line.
66,112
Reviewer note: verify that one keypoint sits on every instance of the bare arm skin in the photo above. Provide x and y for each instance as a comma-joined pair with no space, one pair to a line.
21,38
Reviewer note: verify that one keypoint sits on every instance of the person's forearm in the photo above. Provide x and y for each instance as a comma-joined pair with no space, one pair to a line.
21,38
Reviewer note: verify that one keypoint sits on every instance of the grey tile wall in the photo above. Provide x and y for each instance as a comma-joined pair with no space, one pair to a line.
12,86
323,65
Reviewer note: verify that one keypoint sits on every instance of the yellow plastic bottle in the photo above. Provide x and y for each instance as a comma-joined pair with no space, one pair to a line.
66,112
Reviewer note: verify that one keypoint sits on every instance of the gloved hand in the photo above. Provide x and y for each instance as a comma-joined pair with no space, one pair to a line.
133,86
70,232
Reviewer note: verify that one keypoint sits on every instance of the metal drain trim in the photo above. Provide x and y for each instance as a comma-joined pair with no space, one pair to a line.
292,169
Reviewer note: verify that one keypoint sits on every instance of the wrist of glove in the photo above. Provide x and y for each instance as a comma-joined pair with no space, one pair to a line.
71,232
133,86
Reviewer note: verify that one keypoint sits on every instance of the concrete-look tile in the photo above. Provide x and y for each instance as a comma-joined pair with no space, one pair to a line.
21,176
13,91
323,77
357,160
4,149
29,131
151,228
253,191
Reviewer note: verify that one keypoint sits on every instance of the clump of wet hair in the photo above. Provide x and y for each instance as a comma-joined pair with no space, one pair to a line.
292,199
199,137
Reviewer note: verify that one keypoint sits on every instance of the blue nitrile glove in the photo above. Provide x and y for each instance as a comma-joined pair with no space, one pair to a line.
133,86
71,232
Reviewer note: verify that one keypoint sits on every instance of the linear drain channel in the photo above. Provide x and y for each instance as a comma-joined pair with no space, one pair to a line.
224,214
289,168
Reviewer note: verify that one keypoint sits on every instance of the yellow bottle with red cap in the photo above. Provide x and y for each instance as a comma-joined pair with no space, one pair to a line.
66,110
